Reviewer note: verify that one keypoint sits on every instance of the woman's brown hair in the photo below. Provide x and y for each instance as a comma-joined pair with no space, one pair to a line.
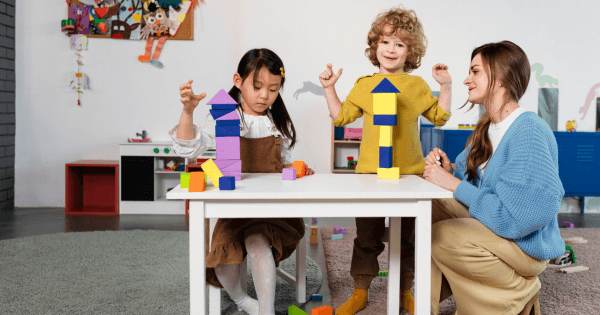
507,64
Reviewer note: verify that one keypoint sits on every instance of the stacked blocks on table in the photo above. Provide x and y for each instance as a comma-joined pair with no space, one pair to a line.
385,115
289,174
337,236
213,172
322,310
226,183
295,310
300,168
227,132
197,182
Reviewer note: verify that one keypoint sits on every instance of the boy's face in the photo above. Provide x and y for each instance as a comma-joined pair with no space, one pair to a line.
260,95
391,53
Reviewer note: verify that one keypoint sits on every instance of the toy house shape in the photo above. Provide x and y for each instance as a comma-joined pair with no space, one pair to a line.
385,115
227,132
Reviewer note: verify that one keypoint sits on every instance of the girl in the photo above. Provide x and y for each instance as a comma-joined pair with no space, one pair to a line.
267,136
497,235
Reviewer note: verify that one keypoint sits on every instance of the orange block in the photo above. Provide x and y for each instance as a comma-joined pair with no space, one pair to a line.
300,168
322,310
197,182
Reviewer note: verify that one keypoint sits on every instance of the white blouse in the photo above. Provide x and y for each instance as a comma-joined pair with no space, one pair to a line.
204,136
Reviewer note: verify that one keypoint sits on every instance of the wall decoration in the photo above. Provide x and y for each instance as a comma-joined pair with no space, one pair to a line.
79,81
593,93
547,97
543,79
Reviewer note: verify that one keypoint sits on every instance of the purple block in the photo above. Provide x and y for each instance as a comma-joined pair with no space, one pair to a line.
343,231
233,115
314,219
229,165
228,148
289,174
221,98
569,224
336,230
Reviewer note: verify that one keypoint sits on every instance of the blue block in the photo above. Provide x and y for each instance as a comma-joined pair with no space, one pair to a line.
317,297
227,131
226,183
224,106
216,113
385,86
339,133
228,122
385,120
385,157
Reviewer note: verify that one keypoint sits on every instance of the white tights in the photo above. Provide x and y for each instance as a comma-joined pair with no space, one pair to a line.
263,273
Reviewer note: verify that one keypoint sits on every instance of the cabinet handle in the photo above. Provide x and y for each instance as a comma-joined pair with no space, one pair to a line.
156,150
167,150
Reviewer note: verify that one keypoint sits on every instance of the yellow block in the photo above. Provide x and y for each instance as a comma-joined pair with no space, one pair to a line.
210,168
384,104
385,136
388,173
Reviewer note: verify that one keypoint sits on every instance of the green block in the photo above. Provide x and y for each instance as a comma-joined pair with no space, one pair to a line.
185,180
295,310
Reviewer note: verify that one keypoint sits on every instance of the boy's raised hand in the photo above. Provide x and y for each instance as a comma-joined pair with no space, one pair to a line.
328,78
440,74
439,157
188,98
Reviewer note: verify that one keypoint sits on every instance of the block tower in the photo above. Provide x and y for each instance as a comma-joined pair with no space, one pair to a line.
227,132
386,117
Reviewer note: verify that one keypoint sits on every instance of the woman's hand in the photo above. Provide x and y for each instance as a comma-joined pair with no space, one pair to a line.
188,98
439,176
439,157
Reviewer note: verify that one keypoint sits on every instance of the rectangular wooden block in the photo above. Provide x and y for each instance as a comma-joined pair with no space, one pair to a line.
184,180
386,157
223,106
227,131
228,148
213,172
197,182
300,168
314,234
384,104
336,236
385,120
228,122
385,136
295,310
574,269
289,174
388,173
322,310
226,183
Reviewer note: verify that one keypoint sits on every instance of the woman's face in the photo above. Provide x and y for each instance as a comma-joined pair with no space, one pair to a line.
259,95
477,81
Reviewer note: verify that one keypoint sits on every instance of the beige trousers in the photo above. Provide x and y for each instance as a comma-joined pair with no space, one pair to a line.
487,274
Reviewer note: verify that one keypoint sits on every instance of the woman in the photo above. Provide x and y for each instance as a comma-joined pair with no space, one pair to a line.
491,241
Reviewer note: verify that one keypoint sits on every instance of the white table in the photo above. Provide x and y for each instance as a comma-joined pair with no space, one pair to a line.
321,195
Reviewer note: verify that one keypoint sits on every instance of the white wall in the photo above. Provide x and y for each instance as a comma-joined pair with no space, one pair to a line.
127,96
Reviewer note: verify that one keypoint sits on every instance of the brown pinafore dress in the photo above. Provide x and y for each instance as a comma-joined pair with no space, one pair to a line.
258,155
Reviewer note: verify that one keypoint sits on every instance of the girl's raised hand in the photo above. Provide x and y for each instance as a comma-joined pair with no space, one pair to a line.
188,98
440,74
328,78
439,157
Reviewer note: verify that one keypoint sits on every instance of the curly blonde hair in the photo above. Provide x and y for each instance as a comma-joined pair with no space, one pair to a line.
407,26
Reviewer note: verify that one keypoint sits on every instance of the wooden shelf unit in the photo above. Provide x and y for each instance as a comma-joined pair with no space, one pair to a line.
92,187
335,142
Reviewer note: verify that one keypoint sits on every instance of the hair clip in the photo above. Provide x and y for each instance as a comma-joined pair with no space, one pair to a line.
282,73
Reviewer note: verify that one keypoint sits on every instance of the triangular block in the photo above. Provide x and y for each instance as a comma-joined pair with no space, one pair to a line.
218,113
233,115
221,98
385,86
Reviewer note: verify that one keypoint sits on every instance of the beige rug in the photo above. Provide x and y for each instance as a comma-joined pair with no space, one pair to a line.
575,293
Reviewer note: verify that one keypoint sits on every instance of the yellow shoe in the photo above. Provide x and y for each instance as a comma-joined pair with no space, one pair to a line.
355,303
407,301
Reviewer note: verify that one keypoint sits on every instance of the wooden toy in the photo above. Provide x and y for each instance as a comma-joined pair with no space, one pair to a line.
314,219
213,172
228,148
289,174
382,273
322,310
337,236
218,113
343,231
228,122
336,230
295,310
339,133
385,116
388,173
569,224
575,240
226,183
316,297
314,235
353,133
385,136
184,179
574,269
300,168
385,120
385,157
227,131
230,168
197,182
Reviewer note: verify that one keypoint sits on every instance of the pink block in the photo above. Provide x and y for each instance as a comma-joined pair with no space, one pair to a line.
337,230
231,116
228,148
289,174
222,98
229,165
353,133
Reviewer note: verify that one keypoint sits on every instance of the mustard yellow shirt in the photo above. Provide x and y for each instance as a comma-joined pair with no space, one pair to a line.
413,101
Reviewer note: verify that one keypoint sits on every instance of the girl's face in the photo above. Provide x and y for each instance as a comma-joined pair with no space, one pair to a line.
477,81
259,95
391,53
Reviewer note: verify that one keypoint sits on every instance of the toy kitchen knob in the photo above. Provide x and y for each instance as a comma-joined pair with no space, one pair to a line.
156,150
167,150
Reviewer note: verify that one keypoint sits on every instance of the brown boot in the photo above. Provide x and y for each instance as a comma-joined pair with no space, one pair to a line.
355,303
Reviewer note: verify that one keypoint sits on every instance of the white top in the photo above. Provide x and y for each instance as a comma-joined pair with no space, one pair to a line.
497,131
204,136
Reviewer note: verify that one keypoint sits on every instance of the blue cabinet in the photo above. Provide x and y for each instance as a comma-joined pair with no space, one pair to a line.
454,142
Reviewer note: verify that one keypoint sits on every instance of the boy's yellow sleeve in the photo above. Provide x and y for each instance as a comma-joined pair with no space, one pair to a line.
350,111
433,111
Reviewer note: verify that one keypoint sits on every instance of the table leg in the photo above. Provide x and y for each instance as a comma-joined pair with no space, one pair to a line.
197,258
393,301
301,271
423,258
214,293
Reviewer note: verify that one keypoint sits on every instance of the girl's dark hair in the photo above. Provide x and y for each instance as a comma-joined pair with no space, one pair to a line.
507,63
253,61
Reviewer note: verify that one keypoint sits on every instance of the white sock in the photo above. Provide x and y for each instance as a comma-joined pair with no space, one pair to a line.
229,276
263,271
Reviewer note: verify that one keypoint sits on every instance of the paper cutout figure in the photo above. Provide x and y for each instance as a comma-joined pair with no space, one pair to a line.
543,79
78,42
79,80
594,91
156,25
126,24
81,16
